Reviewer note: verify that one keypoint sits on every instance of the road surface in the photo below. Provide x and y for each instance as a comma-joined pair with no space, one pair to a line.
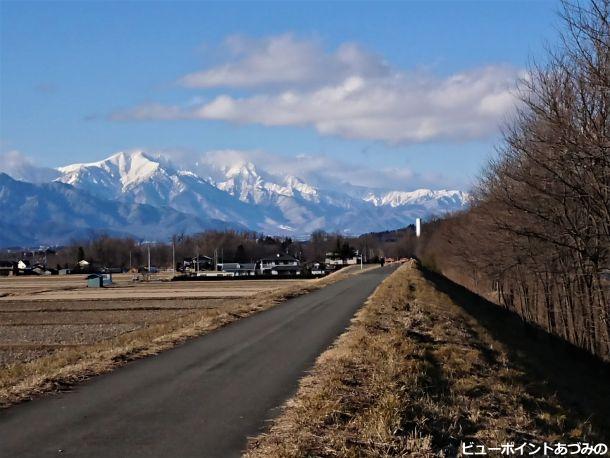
203,398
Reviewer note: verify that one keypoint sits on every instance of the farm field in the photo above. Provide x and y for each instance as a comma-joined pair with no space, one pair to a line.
40,315
54,330
71,287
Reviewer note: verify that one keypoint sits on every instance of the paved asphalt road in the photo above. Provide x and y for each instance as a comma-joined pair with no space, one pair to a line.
203,398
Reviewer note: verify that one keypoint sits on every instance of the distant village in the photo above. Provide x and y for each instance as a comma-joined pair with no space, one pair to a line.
209,255
281,265
33,262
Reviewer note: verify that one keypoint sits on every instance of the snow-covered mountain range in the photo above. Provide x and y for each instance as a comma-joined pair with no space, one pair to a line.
147,196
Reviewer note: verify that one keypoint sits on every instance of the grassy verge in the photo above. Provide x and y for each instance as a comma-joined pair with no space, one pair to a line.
426,366
24,380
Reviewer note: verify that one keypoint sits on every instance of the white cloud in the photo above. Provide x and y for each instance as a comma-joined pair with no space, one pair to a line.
318,170
285,60
348,93
21,167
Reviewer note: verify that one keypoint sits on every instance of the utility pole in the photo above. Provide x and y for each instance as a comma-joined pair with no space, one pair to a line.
148,246
173,256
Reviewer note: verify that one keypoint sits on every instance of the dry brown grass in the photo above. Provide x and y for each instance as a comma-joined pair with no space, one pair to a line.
417,374
46,289
62,358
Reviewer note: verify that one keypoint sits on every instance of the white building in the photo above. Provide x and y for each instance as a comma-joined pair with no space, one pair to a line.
335,259
282,264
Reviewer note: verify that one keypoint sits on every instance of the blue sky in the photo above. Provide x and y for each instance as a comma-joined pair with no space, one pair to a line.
392,86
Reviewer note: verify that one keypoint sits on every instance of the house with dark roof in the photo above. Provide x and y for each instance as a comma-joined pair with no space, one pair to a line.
197,264
7,268
281,265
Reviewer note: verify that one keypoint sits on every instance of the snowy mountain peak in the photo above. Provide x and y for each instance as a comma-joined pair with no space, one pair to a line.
244,181
243,169
299,185
135,167
425,197
139,168
116,174
120,170
251,196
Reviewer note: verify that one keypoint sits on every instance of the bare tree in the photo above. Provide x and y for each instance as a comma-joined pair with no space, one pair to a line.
538,234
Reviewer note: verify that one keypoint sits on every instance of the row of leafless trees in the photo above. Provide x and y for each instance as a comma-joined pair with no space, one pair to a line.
229,246
538,234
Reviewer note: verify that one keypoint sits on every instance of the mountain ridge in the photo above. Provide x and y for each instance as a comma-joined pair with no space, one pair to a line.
56,213
241,194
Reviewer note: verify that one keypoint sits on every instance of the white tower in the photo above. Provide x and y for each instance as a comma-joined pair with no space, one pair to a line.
418,227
